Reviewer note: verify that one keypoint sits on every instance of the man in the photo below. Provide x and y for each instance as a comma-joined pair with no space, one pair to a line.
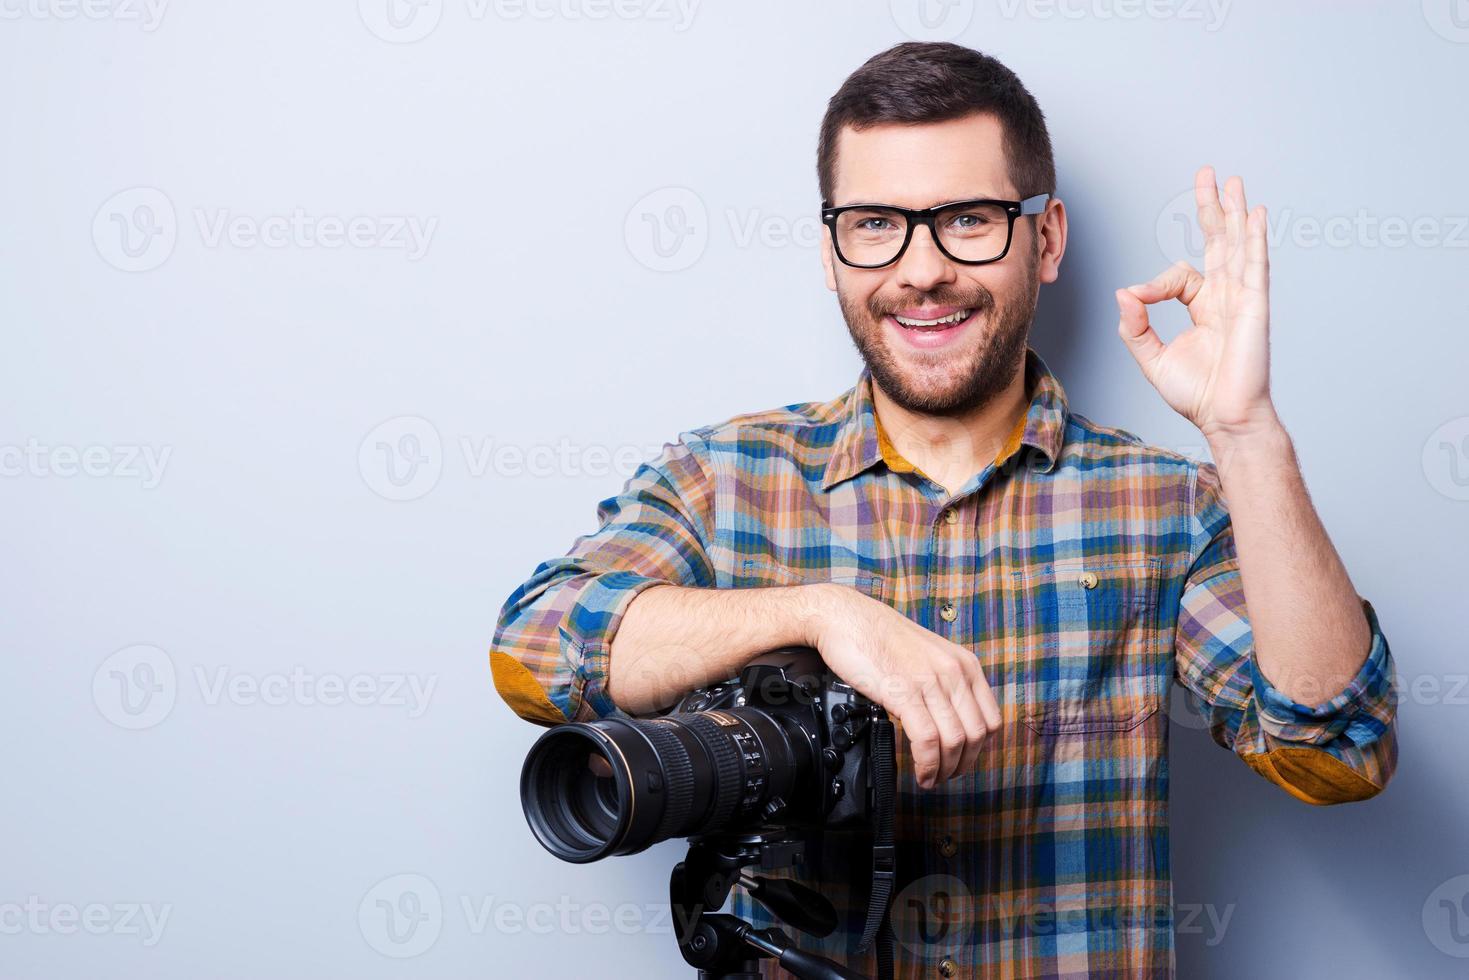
1017,584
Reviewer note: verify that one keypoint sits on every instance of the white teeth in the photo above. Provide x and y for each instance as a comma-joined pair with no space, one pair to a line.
955,317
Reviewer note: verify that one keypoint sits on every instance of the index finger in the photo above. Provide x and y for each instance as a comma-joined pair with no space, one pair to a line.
1211,221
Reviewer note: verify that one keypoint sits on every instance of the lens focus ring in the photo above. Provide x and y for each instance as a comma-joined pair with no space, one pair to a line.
729,781
678,781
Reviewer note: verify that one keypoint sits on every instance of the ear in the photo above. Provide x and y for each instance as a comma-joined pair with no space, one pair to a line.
1052,231
828,259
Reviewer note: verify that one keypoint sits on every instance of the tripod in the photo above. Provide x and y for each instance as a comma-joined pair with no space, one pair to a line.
726,947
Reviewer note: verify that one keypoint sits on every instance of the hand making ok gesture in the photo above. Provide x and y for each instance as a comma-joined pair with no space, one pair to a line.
1217,372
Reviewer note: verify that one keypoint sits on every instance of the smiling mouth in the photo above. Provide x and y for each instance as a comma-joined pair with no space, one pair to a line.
940,323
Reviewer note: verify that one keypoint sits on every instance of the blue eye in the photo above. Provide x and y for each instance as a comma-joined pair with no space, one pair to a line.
975,219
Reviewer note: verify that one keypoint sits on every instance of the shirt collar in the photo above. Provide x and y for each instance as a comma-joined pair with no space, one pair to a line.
860,443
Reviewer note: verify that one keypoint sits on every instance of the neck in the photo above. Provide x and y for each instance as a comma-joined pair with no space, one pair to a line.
951,449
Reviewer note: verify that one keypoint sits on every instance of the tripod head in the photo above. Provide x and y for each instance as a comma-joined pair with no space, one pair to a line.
725,947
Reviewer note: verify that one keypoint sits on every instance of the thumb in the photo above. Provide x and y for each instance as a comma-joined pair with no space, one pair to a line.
1139,336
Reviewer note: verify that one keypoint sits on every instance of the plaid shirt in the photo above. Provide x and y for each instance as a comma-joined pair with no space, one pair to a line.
1087,571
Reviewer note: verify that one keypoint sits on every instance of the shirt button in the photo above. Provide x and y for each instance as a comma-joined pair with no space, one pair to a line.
1089,580
951,516
948,612
947,847
948,967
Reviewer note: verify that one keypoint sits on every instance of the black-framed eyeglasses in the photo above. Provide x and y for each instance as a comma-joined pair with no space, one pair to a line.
870,236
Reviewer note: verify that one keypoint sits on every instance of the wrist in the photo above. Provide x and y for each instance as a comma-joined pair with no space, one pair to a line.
1267,442
815,607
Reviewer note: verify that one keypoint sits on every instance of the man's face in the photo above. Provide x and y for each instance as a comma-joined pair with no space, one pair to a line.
964,366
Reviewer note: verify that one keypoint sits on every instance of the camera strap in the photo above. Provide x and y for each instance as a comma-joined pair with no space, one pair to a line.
879,924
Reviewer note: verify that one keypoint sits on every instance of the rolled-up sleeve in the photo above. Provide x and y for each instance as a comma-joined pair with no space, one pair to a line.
553,639
1343,748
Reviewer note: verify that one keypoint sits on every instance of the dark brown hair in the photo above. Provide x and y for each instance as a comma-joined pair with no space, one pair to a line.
931,82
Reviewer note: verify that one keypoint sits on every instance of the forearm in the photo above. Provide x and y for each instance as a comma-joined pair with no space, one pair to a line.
674,639
1310,633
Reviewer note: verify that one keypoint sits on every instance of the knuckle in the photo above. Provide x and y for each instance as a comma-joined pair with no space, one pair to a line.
949,672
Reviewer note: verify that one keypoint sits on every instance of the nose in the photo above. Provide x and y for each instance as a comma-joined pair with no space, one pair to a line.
923,266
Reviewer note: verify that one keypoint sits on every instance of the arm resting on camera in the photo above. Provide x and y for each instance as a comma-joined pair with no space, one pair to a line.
674,640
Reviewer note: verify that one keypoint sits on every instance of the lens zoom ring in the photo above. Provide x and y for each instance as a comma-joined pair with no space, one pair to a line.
678,779
729,776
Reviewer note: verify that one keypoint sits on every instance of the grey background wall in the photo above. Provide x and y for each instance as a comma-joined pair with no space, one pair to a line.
324,323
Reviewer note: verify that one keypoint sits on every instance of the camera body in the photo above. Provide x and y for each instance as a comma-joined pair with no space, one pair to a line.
824,716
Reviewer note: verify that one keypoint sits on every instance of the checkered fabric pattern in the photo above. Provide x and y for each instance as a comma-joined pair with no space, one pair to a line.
1087,571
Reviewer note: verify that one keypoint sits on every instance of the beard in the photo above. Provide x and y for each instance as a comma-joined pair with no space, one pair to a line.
984,372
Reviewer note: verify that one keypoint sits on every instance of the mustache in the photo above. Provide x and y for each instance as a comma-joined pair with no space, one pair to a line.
980,302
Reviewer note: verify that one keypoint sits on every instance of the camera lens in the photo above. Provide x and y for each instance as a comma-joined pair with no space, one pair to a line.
593,796
617,786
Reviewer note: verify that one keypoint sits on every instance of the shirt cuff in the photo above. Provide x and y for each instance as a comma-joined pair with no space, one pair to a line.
1288,720
588,631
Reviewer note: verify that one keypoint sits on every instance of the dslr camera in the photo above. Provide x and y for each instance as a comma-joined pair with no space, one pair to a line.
746,769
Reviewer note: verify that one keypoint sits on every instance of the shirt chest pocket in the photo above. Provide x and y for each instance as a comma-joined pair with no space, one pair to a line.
1090,652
